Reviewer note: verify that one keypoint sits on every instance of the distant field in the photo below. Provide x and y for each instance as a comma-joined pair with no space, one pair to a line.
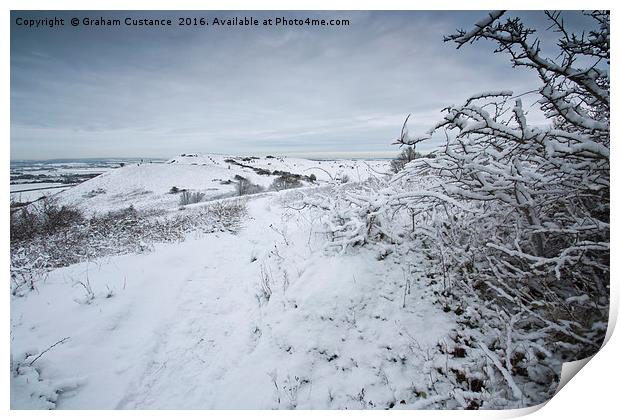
29,192
31,180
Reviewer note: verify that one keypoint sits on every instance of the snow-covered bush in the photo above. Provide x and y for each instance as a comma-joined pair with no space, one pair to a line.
516,216
343,178
286,182
519,214
228,211
118,232
361,215
188,197
41,218
246,187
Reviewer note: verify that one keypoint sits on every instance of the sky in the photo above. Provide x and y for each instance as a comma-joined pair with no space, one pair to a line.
84,92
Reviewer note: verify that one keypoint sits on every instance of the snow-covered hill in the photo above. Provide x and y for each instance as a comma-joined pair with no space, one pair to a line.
322,296
147,185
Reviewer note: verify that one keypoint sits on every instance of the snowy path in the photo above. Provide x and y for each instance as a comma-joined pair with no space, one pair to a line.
186,327
207,334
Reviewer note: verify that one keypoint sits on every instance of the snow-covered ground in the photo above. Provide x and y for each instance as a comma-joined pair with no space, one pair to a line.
277,299
264,318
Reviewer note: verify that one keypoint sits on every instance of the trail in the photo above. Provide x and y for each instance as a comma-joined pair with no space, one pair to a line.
210,330
188,326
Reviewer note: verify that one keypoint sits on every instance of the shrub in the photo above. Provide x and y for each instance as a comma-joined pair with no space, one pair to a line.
245,187
261,171
42,218
227,210
23,224
285,182
58,217
188,197
115,218
123,231
404,157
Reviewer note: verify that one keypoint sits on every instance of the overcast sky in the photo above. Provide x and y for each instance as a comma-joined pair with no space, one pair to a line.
321,91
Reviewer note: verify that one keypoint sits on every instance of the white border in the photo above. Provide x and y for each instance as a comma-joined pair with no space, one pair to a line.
593,394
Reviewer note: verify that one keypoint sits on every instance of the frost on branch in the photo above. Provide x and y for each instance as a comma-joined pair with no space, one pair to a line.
515,215
537,243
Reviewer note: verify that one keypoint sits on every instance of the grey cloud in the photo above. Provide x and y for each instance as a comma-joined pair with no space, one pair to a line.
92,92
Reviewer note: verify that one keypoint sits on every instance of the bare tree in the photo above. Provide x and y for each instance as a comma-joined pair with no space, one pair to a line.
403,158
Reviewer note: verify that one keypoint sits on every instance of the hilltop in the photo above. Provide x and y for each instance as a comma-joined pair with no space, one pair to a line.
148,185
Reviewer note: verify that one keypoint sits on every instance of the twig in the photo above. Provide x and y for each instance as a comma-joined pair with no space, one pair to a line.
48,349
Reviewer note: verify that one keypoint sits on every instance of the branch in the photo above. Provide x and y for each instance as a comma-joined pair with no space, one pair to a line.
48,349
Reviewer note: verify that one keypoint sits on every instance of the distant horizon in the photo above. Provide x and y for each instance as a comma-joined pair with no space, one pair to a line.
299,155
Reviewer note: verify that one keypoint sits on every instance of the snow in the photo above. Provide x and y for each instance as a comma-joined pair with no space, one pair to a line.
147,185
189,326
322,297
479,26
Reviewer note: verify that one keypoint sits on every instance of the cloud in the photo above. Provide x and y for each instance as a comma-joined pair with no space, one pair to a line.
92,92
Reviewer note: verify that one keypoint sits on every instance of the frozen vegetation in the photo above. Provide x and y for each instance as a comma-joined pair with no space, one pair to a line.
462,281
